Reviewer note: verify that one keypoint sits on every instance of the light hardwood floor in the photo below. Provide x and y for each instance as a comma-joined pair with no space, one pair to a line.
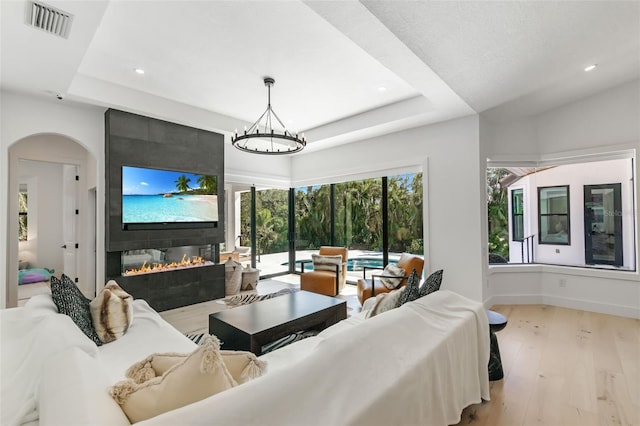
561,366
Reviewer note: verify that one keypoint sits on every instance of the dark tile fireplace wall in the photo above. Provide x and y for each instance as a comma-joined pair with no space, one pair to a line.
134,140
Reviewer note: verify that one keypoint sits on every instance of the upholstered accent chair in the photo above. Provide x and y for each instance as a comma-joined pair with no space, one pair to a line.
326,278
369,287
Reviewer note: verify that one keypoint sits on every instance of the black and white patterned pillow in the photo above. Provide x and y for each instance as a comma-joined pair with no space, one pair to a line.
411,291
70,301
432,283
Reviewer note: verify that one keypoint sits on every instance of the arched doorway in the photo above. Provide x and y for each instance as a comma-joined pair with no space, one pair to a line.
49,163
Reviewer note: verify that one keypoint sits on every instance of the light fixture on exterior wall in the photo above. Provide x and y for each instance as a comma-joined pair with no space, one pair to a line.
263,138
590,67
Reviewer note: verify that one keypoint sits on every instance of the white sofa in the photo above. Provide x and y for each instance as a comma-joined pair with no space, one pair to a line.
421,363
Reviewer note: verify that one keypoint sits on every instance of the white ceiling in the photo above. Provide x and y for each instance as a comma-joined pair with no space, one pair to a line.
204,61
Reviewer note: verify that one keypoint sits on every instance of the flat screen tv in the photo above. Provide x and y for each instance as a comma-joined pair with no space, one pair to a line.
168,199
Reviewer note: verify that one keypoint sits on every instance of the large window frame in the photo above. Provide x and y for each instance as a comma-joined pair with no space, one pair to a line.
556,220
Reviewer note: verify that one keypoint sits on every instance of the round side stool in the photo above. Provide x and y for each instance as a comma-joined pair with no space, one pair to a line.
497,322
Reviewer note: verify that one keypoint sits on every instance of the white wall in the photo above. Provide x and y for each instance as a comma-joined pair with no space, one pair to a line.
602,123
605,119
449,155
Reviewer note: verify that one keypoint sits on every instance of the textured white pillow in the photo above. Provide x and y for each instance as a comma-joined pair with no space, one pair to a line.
393,271
326,262
111,312
201,374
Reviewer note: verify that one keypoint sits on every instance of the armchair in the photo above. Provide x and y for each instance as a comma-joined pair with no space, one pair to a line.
369,287
329,281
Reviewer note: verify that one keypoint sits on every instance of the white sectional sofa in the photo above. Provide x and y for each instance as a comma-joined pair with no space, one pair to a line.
421,363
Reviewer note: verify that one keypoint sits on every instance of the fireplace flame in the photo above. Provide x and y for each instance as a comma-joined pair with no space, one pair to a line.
186,262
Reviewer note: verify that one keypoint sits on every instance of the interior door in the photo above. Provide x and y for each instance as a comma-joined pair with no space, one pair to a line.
603,224
70,220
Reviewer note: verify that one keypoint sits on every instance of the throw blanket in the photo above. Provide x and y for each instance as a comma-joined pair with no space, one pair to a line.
420,364
245,299
30,337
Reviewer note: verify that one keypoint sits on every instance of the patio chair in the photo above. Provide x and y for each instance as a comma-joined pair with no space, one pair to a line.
326,279
369,287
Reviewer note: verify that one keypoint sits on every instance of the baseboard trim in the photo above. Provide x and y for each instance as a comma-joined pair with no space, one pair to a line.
584,305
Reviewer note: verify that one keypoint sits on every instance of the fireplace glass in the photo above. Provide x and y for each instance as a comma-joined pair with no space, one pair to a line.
154,260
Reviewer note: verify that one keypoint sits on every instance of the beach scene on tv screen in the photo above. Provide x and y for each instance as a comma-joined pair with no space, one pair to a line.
156,196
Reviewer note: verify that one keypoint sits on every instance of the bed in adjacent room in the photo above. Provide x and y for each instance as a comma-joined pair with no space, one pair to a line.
33,281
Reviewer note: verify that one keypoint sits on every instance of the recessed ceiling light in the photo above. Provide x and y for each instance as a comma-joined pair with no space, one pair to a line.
382,89
590,67
139,71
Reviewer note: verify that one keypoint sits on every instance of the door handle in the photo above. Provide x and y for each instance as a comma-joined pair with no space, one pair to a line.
64,246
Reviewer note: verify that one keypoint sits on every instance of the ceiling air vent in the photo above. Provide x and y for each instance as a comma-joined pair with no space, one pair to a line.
49,19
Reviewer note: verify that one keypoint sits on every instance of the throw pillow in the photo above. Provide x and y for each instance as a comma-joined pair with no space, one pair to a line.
385,302
411,291
243,366
198,376
395,271
71,302
326,262
111,312
431,284
232,277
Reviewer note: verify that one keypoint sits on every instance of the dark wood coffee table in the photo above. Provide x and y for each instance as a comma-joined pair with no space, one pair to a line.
250,327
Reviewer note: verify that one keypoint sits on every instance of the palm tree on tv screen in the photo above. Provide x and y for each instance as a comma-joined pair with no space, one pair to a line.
207,183
182,183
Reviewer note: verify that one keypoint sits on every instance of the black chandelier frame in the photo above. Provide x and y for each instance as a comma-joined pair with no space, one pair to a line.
271,139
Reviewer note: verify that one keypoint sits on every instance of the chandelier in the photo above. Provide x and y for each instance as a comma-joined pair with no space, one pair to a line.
262,138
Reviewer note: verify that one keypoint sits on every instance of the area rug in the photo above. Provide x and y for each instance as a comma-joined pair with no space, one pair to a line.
245,299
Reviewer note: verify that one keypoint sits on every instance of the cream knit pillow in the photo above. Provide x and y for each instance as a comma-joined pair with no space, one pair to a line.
111,312
199,375
243,366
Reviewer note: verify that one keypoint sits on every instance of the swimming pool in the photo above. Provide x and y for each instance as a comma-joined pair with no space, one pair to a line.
356,264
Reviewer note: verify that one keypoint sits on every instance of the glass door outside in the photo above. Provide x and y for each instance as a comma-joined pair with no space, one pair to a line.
603,224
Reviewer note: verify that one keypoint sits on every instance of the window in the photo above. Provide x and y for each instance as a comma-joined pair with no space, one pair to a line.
405,213
22,213
517,215
553,215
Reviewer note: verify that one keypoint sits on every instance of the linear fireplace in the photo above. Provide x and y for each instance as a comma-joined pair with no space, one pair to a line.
150,261
168,278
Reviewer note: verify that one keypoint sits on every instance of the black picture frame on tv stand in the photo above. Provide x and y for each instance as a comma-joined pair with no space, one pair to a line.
167,225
